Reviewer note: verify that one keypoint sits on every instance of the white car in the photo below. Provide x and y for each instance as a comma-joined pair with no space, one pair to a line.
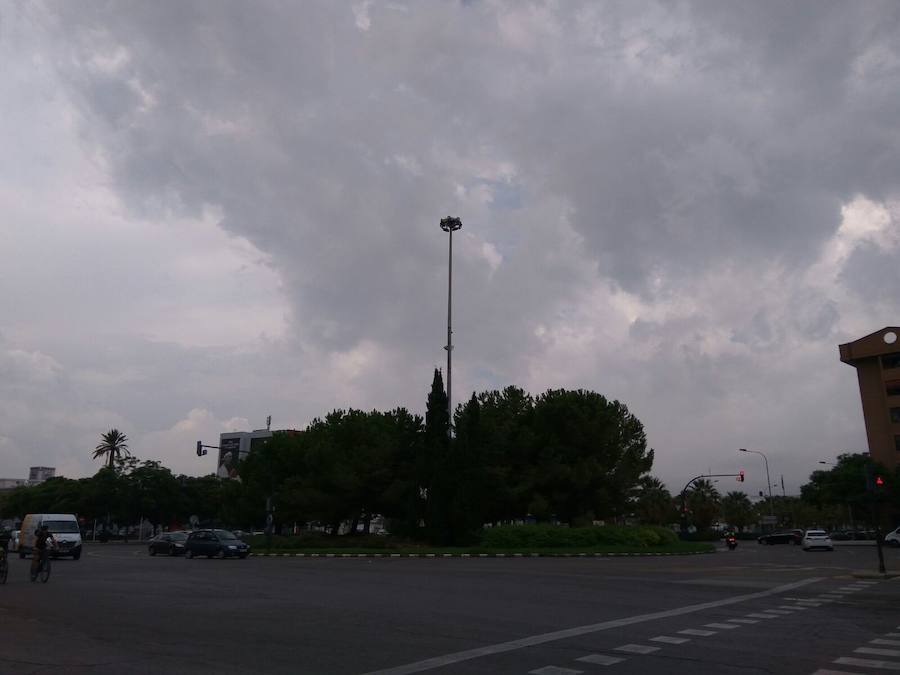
816,539
892,538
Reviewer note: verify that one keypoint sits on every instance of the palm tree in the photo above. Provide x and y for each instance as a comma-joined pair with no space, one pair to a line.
703,501
113,445
737,510
653,503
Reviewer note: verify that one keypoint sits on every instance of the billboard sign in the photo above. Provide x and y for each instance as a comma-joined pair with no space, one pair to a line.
229,458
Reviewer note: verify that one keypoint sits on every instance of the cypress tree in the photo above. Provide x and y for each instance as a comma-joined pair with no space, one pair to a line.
436,481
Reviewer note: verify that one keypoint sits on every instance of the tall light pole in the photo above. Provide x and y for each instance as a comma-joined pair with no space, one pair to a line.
450,224
768,480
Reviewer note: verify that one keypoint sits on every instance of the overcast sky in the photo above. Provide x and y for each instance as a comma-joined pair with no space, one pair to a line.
215,211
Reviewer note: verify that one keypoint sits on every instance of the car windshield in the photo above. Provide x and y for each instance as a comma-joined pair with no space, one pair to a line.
178,536
225,534
815,533
61,525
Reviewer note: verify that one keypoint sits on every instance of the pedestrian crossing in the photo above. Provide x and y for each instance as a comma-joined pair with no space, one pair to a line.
881,653
863,660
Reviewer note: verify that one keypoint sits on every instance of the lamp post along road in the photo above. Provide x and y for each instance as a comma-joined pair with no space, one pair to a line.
450,225
768,479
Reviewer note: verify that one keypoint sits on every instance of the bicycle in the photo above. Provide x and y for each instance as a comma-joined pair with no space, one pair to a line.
43,569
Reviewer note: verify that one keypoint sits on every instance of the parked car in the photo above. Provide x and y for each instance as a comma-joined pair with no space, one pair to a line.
817,539
170,543
218,543
892,538
787,537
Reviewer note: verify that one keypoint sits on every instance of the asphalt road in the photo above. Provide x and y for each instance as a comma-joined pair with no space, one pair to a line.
758,609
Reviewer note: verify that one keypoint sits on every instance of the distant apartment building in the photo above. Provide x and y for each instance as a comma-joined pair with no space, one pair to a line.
876,358
10,483
38,474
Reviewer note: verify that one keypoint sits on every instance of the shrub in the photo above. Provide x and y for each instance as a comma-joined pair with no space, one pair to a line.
552,536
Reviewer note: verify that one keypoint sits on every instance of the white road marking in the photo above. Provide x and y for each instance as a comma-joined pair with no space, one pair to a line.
892,635
669,640
762,616
874,651
867,663
825,671
889,643
777,611
697,632
553,670
726,626
793,608
743,621
601,659
543,638
632,648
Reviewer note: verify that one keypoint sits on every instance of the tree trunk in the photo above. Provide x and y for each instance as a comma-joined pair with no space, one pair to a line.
367,521
354,524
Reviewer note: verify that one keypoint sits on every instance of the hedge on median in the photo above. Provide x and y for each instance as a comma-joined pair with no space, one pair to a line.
553,536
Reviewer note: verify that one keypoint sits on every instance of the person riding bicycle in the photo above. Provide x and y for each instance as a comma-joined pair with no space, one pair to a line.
42,539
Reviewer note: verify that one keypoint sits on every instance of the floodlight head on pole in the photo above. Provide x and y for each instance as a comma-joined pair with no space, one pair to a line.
450,224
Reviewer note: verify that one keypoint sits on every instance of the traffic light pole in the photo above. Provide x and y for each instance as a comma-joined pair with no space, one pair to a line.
879,538
739,476
875,487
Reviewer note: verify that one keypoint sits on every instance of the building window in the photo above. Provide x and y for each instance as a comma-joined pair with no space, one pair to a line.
890,361
892,387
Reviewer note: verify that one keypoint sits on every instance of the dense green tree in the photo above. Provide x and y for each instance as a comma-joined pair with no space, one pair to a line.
737,510
845,485
587,456
504,437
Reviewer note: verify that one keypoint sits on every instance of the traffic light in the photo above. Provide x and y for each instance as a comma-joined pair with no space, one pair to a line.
740,477
875,481
200,450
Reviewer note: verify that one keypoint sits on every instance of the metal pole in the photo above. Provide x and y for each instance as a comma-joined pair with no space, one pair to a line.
449,332
449,225
768,478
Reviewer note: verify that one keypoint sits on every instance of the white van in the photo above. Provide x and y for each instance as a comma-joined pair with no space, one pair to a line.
63,527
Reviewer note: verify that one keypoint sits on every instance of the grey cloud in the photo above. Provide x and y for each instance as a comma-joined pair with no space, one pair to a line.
872,273
647,145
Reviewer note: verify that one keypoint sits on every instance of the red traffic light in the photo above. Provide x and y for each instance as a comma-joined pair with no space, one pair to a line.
879,481
741,476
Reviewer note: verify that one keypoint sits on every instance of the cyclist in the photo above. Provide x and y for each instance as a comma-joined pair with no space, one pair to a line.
42,539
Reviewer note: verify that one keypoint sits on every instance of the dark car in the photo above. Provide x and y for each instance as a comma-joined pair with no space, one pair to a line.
169,543
788,537
215,543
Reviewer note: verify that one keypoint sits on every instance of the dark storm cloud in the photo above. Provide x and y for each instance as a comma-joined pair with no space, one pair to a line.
645,189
